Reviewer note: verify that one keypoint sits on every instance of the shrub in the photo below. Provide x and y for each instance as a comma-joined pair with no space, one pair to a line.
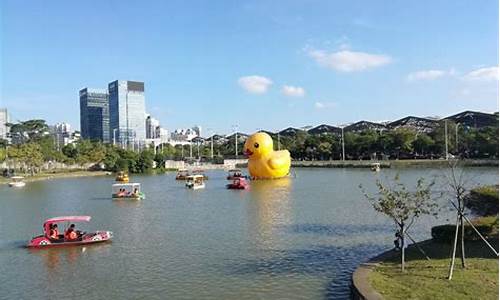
488,227
483,200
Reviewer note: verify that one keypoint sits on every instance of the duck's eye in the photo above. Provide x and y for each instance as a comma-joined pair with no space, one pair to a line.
256,145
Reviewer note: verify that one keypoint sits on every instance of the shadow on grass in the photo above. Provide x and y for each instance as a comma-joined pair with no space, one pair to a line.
440,250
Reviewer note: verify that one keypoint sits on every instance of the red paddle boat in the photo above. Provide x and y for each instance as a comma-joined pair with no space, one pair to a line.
81,238
238,184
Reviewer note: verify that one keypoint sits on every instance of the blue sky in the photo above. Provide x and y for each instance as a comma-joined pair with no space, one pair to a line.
258,64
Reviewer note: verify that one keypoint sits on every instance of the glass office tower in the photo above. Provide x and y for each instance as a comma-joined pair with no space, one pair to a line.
127,113
94,115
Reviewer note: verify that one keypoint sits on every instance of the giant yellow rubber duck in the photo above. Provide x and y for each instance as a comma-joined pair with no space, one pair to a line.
263,161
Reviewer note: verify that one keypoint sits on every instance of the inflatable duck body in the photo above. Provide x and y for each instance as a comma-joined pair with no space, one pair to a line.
263,161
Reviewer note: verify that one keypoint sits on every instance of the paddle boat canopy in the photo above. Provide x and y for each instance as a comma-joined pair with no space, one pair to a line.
238,184
182,174
17,181
82,238
122,177
127,191
234,173
200,172
195,182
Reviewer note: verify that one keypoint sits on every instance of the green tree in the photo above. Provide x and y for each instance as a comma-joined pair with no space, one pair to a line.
403,206
423,144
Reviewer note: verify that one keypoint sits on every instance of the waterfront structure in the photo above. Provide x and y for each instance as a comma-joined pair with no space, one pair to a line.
474,119
94,114
424,125
361,126
4,119
325,129
127,111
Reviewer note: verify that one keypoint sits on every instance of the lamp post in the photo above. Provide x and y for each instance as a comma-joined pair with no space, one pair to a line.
446,137
343,146
210,131
235,128
279,144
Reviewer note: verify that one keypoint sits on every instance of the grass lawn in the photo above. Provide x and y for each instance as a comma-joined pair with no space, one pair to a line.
425,279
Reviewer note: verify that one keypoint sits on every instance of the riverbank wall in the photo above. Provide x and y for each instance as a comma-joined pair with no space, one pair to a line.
424,163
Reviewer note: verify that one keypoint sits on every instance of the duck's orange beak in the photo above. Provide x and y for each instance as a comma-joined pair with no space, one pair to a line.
248,152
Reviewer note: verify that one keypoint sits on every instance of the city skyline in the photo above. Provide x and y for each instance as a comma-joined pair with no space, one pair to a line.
258,65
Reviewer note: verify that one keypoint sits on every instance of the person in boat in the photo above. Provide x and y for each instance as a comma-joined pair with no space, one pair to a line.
136,192
54,232
71,234
121,193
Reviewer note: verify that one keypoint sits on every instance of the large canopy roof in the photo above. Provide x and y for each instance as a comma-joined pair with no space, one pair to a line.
68,219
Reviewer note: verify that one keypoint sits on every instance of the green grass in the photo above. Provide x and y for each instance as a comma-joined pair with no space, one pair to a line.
428,279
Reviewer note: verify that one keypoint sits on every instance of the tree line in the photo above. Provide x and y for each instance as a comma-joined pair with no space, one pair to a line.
34,146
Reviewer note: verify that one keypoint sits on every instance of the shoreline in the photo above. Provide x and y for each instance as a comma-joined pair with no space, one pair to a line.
58,175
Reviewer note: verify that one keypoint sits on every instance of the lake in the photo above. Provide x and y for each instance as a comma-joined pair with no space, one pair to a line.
296,238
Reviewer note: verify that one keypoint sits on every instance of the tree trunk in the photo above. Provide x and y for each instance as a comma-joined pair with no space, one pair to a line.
402,238
462,245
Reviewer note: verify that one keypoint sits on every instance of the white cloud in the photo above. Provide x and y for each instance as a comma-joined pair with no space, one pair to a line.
255,84
293,91
427,75
348,61
325,105
483,74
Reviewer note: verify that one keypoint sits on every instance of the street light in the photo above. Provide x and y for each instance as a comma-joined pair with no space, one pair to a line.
446,137
235,128
210,131
343,146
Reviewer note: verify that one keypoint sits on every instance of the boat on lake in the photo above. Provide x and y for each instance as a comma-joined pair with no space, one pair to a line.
182,174
239,183
375,167
122,177
82,238
201,173
195,182
234,173
17,181
127,191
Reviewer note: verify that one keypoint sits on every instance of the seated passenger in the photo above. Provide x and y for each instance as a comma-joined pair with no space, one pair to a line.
70,233
54,233
136,192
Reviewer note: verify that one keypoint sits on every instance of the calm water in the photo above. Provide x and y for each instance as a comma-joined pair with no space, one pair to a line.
298,238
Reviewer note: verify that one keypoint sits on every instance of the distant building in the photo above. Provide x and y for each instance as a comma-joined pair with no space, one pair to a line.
127,111
152,128
4,119
418,124
325,129
361,126
197,130
63,134
474,119
94,115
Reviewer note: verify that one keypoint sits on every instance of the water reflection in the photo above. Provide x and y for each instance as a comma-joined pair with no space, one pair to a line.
269,208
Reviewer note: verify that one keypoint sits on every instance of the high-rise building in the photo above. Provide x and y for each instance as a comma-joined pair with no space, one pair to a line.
62,134
94,115
127,112
152,128
4,119
197,130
